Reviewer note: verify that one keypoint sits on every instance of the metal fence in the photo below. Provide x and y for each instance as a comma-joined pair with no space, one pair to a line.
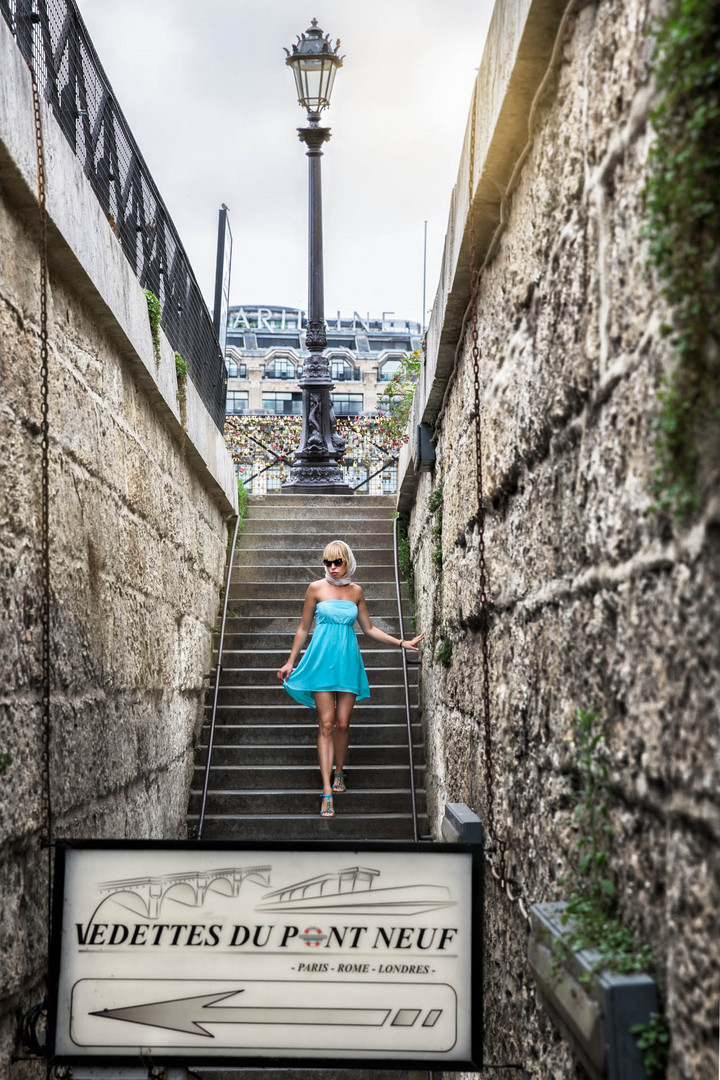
53,38
261,480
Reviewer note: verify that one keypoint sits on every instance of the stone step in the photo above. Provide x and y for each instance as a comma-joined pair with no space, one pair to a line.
380,656
364,712
305,733
330,526
288,624
304,753
377,676
241,606
275,640
312,544
280,801
257,554
272,710
303,575
294,591
276,776
349,512
344,826
322,503
277,696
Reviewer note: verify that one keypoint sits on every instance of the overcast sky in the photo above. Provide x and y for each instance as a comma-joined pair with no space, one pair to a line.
204,87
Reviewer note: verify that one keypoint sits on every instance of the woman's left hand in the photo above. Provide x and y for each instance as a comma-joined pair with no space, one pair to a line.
412,644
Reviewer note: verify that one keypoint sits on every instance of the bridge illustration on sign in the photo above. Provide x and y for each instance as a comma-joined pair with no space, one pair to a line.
188,887
354,891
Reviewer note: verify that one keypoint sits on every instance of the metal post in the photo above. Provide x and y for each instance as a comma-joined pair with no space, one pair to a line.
316,469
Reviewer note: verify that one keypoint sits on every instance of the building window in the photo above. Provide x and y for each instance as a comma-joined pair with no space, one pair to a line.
347,404
386,401
340,371
235,370
264,341
280,369
283,404
389,369
237,401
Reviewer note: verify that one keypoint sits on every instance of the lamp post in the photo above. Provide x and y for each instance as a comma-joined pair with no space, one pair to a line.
316,468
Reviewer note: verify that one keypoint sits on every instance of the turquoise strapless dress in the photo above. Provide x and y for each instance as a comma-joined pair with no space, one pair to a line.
332,660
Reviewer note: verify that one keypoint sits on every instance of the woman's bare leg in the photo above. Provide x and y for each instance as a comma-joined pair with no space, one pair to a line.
343,709
325,704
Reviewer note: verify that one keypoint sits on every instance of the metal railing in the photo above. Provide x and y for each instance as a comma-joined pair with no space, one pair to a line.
218,672
53,39
408,714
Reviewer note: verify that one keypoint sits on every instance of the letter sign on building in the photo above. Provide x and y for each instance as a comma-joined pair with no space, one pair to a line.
227,953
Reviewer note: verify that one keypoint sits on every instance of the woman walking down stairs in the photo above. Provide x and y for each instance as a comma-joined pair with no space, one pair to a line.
264,779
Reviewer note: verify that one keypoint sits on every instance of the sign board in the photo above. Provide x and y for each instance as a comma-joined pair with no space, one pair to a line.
304,954
222,278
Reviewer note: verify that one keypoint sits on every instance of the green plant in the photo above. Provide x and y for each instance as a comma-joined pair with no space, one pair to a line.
405,558
398,398
443,652
181,370
436,499
435,503
5,762
590,913
154,317
242,502
682,209
192,831
653,1039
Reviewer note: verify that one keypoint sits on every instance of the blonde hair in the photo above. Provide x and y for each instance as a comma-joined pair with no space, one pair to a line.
336,549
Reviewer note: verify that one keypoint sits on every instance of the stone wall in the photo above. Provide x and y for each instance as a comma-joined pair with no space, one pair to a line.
137,535
597,601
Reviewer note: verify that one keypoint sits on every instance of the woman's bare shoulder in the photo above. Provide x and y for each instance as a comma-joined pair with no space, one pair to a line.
314,587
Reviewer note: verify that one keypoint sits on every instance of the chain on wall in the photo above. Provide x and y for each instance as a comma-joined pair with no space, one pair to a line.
46,828
498,843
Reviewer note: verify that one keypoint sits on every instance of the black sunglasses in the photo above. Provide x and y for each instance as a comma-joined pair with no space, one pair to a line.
333,562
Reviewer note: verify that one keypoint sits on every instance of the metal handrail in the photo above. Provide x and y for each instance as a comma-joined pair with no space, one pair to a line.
211,735
405,681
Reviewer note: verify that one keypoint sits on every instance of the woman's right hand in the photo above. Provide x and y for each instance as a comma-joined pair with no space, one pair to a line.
285,671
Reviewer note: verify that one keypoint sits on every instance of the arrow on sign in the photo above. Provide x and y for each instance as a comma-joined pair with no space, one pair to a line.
185,1014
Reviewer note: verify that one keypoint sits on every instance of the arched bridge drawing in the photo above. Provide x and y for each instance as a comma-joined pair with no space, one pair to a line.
189,887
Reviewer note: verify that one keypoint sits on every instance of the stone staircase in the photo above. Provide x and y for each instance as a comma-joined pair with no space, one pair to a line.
264,779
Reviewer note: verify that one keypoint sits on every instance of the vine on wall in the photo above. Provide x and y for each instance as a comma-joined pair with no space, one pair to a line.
682,205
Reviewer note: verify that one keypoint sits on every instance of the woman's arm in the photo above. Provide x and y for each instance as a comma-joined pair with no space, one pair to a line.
379,635
302,631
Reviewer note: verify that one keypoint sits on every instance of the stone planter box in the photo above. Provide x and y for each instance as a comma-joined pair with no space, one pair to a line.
594,1017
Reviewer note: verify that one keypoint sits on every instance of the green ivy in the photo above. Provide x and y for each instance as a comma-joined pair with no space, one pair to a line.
154,316
653,1039
242,502
443,652
435,503
5,761
590,914
682,208
181,368
398,395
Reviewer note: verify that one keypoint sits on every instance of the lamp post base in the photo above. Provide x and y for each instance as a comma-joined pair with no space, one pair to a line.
321,479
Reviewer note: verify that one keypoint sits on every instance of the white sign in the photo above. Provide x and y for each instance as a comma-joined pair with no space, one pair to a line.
177,951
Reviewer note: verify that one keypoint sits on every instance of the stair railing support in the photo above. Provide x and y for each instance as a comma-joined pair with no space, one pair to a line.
405,681
218,670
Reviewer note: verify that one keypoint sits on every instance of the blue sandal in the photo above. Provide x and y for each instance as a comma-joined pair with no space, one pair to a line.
338,784
327,810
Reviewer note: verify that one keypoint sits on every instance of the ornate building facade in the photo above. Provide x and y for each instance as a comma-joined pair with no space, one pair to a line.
266,348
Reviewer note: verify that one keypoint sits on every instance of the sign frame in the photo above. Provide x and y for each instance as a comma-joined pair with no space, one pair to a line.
264,1060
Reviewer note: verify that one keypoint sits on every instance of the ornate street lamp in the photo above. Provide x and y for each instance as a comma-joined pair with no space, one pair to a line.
314,62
